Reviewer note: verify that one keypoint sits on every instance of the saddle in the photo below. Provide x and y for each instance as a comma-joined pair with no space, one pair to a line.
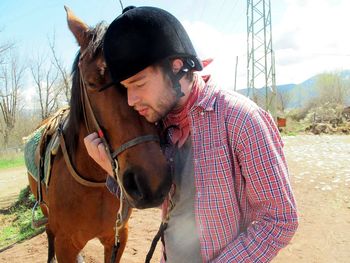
39,151
43,144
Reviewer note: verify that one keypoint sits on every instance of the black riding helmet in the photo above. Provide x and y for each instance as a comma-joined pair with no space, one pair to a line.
142,36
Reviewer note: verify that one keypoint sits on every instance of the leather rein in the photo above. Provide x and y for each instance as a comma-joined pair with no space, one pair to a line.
92,124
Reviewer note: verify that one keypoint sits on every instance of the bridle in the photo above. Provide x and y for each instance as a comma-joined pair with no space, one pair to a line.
112,155
92,125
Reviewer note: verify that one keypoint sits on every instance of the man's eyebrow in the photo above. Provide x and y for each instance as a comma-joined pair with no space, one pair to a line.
137,79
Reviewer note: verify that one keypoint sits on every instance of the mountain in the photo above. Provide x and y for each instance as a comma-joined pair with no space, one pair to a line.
299,94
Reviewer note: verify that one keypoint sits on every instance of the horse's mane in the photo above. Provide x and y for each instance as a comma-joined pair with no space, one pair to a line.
76,111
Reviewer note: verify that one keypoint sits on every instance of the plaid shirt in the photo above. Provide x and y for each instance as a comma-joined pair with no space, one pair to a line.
244,206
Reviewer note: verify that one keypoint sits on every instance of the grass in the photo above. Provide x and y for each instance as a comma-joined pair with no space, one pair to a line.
290,133
16,220
293,128
11,160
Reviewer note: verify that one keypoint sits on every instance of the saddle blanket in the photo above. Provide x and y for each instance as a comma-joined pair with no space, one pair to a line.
33,150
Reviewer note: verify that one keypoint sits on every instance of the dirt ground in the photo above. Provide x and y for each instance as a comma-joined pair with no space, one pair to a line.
320,174
12,180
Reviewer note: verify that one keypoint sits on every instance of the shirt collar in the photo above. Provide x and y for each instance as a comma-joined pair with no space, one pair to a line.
206,97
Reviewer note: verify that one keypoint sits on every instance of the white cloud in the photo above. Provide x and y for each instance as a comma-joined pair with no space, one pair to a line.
310,38
223,48
28,94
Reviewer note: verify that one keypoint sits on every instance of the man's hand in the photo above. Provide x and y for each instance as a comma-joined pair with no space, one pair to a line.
97,151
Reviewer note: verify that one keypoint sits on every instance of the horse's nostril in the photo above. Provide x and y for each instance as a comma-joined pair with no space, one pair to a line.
132,185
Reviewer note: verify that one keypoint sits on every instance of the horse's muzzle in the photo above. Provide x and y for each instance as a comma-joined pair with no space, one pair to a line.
141,192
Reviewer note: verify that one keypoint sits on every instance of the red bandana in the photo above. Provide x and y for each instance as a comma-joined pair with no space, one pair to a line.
179,118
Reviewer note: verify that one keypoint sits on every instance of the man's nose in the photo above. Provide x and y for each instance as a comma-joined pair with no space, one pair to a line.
132,98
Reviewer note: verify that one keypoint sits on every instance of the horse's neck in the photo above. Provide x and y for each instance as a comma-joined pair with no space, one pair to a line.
84,164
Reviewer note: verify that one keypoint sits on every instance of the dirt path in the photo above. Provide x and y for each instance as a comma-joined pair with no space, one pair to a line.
11,182
320,171
320,174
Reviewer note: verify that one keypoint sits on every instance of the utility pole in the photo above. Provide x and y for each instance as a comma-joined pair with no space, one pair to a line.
235,87
260,55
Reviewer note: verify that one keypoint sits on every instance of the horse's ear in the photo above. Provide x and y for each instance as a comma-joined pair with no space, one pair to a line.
78,28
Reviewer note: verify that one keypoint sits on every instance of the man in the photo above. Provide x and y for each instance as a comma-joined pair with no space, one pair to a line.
233,200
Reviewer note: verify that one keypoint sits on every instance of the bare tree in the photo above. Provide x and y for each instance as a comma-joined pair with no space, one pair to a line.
45,78
10,84
65,76
332,88
4,47
283,98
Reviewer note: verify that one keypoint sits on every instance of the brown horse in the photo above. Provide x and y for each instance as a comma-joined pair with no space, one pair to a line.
78,212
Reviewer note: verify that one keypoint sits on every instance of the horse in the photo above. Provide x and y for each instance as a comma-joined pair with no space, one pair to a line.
76,202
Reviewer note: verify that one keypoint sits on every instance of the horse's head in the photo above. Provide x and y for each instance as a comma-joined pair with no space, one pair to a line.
143,172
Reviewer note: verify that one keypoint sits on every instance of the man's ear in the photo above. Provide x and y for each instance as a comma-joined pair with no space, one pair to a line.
177,65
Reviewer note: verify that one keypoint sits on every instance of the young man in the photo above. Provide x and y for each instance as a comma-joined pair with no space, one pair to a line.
233,199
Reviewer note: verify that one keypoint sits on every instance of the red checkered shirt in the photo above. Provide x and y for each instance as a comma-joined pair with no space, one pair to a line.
244,206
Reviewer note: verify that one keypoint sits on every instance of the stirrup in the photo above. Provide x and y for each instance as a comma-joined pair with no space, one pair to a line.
36,223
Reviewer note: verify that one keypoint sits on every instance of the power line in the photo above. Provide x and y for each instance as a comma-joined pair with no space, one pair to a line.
203,9
221,7
234,25
225,15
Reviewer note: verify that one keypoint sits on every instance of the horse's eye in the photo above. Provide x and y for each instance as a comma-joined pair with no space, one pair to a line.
91,85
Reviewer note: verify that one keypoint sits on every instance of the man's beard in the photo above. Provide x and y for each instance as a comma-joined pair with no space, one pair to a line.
163,107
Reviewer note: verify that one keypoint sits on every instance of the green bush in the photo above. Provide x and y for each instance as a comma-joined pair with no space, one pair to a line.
18,220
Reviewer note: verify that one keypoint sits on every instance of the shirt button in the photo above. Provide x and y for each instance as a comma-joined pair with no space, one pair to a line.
202,113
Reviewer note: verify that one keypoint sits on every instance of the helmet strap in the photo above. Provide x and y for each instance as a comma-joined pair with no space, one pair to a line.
175,78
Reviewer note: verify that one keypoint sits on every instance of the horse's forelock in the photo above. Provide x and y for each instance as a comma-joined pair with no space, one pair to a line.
97,36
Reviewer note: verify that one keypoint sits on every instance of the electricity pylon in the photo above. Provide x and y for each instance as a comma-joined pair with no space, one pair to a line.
260,55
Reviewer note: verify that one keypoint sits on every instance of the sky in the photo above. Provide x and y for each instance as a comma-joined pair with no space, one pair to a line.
309,37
